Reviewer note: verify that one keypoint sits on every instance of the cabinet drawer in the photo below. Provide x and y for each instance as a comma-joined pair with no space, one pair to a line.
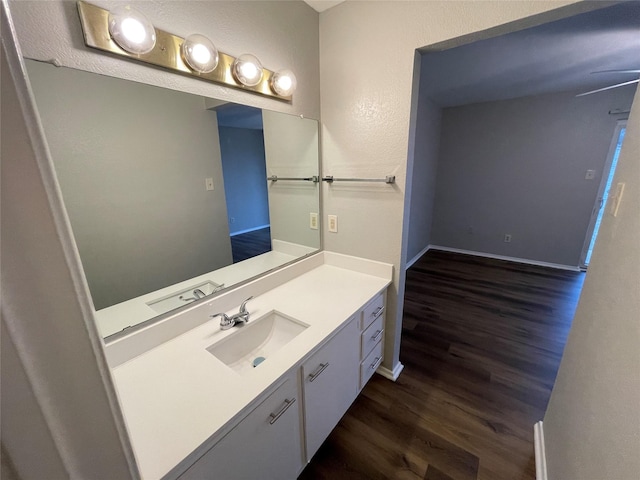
370,364
372,311
371,336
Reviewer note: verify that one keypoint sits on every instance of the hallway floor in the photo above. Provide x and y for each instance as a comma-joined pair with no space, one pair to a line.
251,244
482,342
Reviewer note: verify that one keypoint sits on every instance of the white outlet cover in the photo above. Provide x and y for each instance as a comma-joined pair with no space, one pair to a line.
313,221
333,223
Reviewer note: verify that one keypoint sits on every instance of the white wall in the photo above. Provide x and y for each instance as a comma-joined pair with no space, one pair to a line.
367,57
518,167
291,150
592,424
55,338
134,188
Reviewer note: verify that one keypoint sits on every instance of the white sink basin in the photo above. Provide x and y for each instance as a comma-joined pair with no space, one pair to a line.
251,344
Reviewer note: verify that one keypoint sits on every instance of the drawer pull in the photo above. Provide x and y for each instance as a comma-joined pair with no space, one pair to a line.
285,407
377,311
376,335
375,363
320,369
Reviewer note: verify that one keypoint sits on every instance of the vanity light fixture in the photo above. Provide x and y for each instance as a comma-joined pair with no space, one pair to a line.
247,70
284,82
199,53
127,33
131,30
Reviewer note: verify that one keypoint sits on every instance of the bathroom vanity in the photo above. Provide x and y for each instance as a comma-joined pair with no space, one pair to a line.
195,405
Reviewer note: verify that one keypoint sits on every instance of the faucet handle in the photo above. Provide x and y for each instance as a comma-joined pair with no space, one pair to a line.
243,307
225,317
226,322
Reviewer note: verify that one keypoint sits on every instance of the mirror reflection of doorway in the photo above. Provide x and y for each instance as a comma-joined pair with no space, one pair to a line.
243,165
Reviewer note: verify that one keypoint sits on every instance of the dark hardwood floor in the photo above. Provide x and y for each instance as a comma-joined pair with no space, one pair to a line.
250,244
481,345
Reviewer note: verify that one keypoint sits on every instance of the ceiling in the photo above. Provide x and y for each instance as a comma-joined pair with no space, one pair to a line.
558,56
322,5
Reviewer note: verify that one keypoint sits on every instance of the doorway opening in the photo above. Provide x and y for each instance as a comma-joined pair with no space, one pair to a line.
603,193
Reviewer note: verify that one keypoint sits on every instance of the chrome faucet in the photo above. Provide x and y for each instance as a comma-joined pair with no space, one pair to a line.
226,321
198,293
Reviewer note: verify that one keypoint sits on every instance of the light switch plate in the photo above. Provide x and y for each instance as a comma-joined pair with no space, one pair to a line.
333,223
616,199
313,221
208,183
590,175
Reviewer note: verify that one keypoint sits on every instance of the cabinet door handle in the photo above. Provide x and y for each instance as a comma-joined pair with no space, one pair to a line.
377,311
279,413
376,335
319,370
375,363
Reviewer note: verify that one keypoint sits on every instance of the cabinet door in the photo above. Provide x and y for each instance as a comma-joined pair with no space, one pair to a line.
264,445
330,379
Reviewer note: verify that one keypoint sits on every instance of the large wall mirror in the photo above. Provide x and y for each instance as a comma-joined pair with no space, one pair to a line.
168,193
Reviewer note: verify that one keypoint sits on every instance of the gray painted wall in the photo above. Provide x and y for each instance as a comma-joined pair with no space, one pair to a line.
518,167
132,160
424,176
592,424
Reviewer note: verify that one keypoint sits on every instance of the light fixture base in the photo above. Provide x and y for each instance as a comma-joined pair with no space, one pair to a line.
166,53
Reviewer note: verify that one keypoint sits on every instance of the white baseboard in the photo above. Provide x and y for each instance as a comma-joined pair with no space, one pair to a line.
391,374
559,266
417,257
247,230
541,457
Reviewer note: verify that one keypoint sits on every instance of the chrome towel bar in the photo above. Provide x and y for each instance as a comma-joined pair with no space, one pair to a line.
387,179
314,179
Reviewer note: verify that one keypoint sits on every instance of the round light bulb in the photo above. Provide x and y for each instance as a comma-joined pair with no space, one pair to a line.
199,53
247,70
131,30
284,83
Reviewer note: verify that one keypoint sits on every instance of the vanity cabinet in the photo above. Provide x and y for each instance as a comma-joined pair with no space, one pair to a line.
266,444
330,384
288,426
372,332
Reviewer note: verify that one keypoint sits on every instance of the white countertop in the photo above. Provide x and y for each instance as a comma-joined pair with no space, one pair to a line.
177,395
